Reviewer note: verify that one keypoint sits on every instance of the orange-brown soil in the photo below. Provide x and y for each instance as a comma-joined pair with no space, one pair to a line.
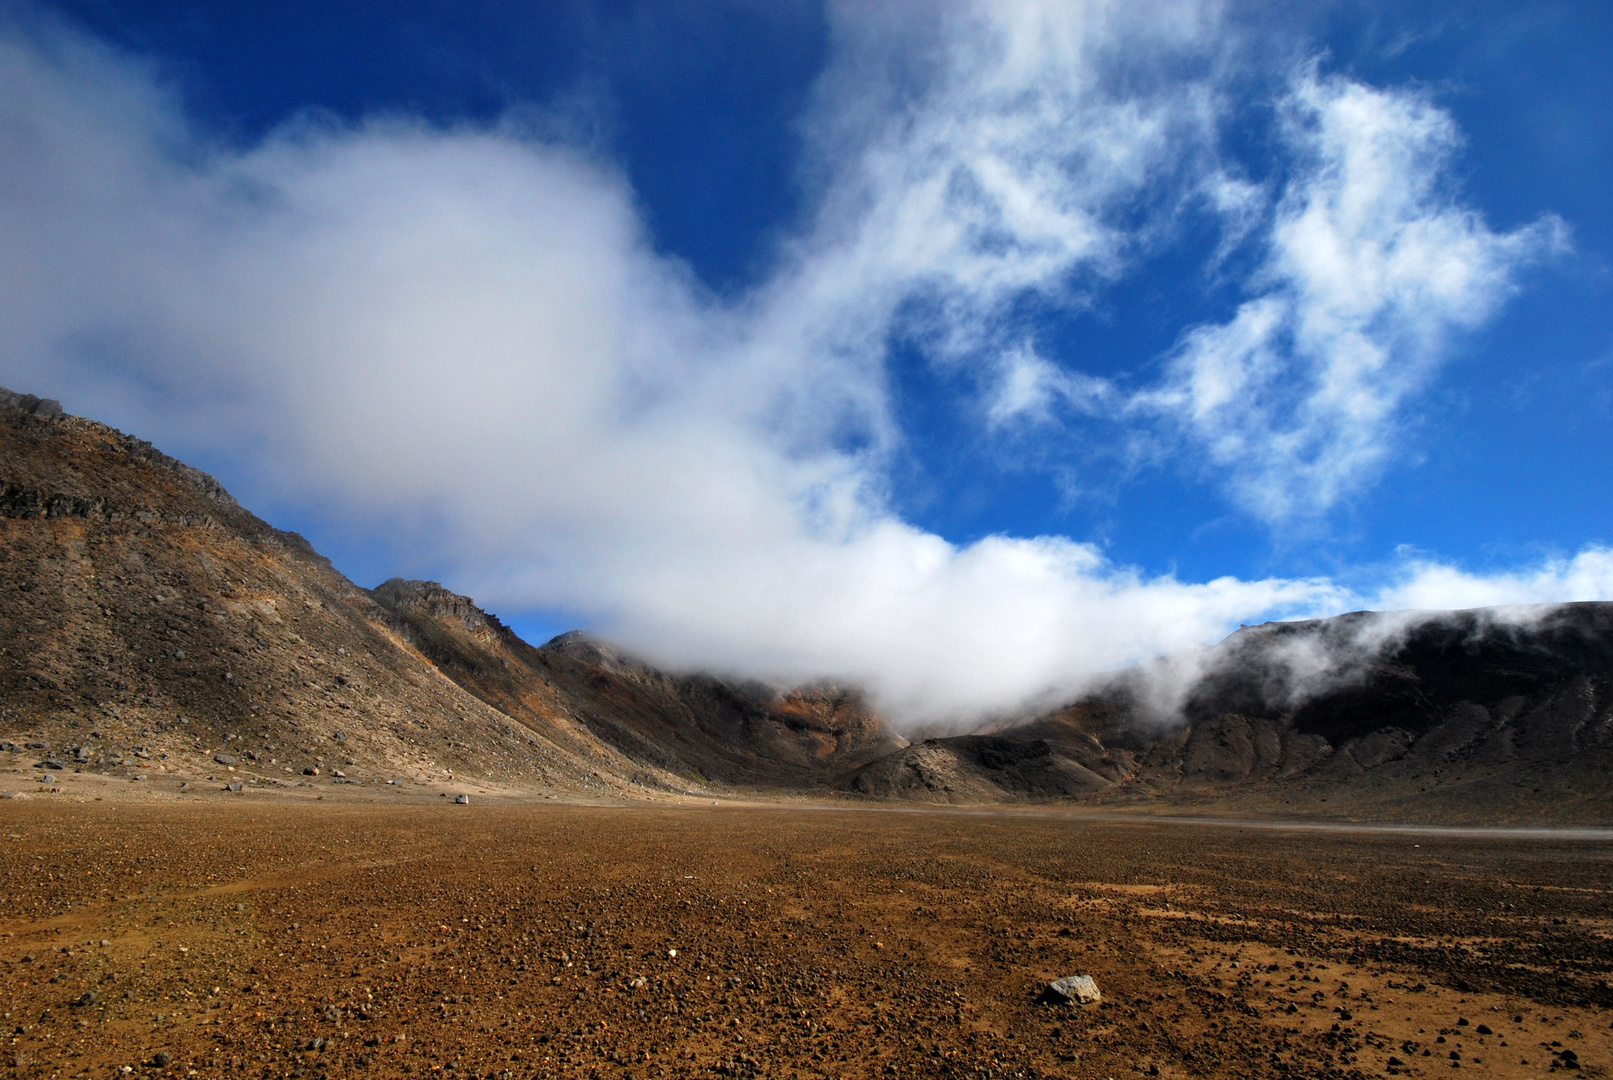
270,938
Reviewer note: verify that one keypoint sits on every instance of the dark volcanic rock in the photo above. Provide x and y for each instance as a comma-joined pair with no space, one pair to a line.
1501,714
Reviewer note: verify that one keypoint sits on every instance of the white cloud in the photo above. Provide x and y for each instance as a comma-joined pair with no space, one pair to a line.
1372,268
1427,584
976,152
460,343
1027,388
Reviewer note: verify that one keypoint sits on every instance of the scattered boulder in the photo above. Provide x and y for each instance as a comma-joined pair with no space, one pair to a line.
462,800
51,764
224,759
1074,990
312,770
234,785
162,1059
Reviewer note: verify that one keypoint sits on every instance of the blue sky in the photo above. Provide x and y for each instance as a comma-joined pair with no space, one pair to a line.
963,350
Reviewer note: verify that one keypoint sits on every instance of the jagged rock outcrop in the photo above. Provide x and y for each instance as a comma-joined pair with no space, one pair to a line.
1473,714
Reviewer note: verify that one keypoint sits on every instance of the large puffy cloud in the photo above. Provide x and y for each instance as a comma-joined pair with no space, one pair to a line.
460,344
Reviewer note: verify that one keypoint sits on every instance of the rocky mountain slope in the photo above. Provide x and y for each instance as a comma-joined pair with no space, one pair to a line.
1473,714
667,730
151,627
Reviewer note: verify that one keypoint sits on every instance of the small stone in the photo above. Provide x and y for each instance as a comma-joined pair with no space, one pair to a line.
162,1059
1484,1029
1345,1014
338,772
224,759
234,785
462,800
86,998
312,770
1076,989
51,763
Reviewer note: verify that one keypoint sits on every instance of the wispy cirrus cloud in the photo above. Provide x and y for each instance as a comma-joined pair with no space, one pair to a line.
1372,270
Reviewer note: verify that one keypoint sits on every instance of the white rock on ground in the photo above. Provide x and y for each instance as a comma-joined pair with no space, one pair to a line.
1079,989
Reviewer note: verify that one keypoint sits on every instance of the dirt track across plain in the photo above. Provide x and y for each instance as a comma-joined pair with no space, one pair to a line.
267,939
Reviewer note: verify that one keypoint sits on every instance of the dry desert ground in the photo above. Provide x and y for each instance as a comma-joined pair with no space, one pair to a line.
225,936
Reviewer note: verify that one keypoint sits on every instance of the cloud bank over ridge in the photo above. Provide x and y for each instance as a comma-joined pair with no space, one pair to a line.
461,341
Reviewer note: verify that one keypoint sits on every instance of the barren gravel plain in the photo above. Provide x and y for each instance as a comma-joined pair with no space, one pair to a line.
222,936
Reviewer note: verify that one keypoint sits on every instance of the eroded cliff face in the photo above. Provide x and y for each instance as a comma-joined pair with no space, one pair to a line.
1498,714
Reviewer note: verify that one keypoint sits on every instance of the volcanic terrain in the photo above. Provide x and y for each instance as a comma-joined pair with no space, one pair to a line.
262,822
271,938
154,632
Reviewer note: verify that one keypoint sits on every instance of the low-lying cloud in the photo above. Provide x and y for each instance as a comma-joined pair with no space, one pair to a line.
460,342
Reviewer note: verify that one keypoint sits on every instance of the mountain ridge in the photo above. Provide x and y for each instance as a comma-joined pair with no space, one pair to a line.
151,626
